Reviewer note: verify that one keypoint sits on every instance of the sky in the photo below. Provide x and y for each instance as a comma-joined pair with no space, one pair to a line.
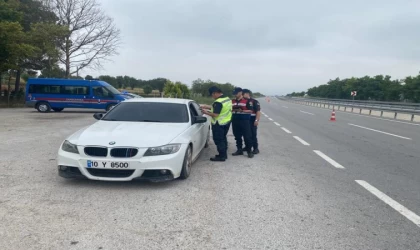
268,46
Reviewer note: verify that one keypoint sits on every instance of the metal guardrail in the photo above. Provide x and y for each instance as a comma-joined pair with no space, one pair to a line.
412,109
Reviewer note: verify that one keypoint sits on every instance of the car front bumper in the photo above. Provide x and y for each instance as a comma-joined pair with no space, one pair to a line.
148,168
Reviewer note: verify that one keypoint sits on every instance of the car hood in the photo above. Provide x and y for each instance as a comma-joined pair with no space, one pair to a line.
138,134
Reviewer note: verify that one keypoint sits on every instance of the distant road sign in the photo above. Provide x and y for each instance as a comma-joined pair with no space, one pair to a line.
353,93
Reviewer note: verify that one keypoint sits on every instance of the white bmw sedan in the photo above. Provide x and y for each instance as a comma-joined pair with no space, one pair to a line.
155,139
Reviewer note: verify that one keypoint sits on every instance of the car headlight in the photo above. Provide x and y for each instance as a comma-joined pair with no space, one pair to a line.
163,150
69,147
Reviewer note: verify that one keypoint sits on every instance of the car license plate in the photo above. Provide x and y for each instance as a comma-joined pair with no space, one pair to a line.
107,164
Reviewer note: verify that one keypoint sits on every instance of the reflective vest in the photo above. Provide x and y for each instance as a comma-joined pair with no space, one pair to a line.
225,115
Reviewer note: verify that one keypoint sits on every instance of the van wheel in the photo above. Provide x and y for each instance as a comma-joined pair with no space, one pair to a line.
57,109
43,107
109,107
187,164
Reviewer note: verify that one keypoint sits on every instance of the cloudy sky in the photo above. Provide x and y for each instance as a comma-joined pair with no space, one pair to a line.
270,46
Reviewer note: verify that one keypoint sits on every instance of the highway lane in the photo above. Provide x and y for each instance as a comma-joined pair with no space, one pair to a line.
287,197
389,163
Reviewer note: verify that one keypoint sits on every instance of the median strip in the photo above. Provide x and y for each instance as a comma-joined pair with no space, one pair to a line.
328,159
379,131
392,203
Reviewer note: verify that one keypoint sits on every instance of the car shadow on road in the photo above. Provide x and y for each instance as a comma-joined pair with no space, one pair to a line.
122,185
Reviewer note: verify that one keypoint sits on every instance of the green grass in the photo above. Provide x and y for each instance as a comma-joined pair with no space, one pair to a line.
203,100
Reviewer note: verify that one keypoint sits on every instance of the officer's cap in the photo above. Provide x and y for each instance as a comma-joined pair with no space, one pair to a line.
246,91
214,89
237,90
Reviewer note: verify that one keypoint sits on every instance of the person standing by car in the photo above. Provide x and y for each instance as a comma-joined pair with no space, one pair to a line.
221,115
241,114
255,117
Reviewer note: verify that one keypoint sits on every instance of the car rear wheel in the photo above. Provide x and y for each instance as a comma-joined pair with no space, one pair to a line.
58,109
43,107
187,164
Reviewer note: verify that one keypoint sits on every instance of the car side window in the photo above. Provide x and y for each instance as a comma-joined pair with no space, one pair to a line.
197,108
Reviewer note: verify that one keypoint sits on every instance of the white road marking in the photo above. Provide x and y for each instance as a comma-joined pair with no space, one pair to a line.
328,159
301,141
286,130
392,203
266,116
306,112
285,107
270,119
410,123
367,116
277,124
380,131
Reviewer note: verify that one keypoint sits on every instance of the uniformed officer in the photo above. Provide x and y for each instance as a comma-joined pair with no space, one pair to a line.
221,115
255,117
241,114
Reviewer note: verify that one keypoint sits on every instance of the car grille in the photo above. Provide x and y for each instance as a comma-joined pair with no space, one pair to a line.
96,151
124,152
111,173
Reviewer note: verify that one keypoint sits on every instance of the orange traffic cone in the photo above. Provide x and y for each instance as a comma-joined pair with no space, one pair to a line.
332,116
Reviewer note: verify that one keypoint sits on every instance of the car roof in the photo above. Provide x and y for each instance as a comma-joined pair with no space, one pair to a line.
161,100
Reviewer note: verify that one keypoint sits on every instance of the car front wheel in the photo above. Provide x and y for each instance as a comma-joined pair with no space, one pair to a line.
187,164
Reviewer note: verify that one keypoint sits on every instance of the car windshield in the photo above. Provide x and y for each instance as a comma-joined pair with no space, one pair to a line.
148,112
113,90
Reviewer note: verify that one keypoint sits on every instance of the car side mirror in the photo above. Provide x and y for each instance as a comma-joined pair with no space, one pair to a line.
200,119
98,116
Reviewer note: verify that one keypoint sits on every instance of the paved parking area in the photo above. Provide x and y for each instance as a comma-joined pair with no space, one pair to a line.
287,197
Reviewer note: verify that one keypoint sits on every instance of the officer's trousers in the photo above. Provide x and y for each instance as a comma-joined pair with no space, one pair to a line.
241,129
254,132
220,138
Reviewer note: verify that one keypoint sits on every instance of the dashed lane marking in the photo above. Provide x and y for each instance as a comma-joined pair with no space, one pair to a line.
286,130
392,203
379,131
328,159
301,141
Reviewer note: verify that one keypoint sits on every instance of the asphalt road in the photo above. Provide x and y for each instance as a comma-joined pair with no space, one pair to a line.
287,197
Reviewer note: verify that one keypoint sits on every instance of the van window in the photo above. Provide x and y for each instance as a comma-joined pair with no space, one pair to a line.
57,89
101,92
75,90
44,89
113,90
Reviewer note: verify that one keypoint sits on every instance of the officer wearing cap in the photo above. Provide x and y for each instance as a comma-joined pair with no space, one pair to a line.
221,115
241,114
255,117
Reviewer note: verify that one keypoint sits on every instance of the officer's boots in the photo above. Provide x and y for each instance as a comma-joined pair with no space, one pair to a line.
238,152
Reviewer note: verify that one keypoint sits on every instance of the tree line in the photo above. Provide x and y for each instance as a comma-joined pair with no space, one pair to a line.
377,88
165,87
45,35
60,38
